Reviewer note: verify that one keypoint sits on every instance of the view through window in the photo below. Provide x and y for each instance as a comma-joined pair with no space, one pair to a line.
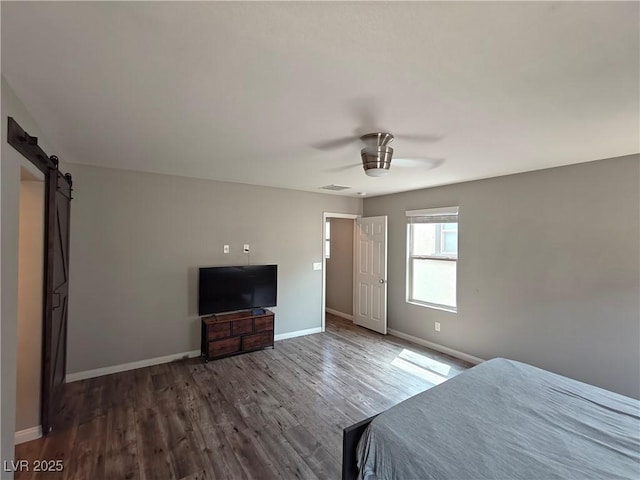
433,256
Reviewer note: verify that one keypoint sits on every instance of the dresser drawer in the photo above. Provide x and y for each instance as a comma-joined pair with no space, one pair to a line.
263,323
242,326
218,330
224,347
257,340
225,334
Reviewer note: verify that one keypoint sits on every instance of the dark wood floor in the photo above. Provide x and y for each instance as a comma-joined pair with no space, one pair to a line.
269,414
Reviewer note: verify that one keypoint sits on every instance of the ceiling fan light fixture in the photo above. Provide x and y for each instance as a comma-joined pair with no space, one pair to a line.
376,160
376,172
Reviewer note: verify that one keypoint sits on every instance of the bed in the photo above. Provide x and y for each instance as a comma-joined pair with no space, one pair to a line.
499,420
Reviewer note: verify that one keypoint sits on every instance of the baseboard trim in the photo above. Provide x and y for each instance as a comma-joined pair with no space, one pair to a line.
28,434
297,333
99,372
435,346
339,314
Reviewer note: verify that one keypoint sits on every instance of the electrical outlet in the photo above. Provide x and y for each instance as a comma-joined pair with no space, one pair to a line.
246,248
225,249
437,325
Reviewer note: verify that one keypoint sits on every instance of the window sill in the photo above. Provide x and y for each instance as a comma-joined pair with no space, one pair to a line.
434,306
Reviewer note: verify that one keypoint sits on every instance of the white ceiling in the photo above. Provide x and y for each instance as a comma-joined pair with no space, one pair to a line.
243,91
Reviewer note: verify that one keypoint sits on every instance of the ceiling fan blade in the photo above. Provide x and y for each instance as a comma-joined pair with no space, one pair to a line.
363,111
344,168
335,143
414,162
421,138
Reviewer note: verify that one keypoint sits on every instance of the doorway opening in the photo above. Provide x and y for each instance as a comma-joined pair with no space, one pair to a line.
368,273
31,248
338,265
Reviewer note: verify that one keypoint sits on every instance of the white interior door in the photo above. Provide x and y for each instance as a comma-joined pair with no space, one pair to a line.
370,289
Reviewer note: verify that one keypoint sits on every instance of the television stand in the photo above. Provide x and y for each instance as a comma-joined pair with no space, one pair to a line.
226,334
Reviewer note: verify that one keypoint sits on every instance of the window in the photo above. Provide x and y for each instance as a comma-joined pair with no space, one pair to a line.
432,257
327,240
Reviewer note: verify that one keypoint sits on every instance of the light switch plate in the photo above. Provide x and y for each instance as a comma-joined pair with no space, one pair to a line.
246,248
225,249
317,265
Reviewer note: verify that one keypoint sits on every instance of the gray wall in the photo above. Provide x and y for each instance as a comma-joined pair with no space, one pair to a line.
30,282
548,270
137,240
339,273
9,205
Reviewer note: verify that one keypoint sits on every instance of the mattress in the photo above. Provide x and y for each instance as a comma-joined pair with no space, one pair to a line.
505,420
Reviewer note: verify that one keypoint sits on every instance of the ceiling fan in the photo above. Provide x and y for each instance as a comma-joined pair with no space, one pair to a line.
377,154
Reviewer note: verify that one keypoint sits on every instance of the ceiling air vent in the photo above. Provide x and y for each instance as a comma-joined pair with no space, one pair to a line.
335,188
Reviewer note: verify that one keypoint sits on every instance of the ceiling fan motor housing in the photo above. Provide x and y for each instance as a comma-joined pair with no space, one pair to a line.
376,160
377,139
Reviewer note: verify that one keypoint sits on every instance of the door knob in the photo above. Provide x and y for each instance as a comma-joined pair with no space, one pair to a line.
382,280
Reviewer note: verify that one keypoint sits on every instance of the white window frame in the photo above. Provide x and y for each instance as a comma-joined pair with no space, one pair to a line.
440,216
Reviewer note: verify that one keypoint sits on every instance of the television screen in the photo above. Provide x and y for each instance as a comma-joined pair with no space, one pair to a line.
224,289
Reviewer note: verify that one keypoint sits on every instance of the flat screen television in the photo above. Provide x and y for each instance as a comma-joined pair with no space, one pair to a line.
225,289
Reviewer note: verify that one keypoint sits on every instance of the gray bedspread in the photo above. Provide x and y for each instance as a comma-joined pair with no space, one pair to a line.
505,420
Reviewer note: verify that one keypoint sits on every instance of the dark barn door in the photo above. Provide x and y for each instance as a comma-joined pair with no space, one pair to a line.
57,288
56,271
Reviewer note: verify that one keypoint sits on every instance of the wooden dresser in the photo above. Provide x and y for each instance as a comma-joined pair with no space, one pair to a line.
227,334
